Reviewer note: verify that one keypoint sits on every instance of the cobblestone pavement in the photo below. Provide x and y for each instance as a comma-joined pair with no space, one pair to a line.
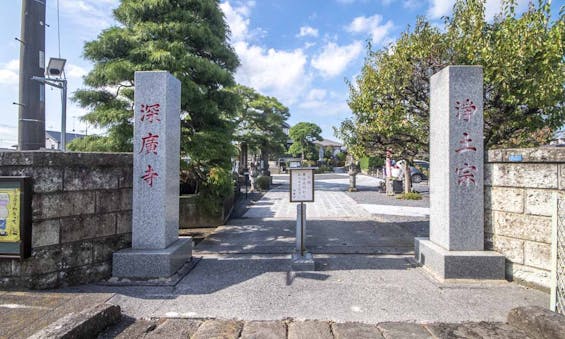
333,201
308,329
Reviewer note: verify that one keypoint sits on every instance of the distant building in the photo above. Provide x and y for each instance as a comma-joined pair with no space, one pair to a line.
326,144
558,138
53,139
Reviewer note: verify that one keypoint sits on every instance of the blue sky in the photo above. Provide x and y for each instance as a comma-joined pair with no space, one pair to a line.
300,51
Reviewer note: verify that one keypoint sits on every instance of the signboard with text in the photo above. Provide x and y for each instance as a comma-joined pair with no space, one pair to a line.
301,185
15,218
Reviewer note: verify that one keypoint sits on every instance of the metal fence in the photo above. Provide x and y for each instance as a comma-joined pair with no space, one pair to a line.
558,255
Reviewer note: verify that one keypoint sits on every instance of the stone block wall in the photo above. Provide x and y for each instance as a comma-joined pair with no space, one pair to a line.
519,184
81,214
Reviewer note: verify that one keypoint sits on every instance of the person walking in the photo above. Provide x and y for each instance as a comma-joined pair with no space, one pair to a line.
253,173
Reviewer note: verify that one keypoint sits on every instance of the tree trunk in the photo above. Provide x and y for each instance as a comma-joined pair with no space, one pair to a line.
407,177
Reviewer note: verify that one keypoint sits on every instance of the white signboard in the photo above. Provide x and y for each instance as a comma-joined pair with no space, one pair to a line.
302,185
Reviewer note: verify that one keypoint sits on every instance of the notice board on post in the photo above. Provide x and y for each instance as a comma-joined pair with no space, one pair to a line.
15,217
301,184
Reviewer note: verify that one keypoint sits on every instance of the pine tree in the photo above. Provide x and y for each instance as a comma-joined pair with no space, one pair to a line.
189,39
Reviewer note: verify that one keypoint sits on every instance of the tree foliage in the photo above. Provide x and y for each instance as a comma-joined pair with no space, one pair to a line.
524,77
188,38
303,136
259,121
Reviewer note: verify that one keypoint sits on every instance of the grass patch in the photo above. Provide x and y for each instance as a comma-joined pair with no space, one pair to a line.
409,196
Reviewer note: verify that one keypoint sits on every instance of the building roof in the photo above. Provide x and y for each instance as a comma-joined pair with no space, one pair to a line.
328,143
57,136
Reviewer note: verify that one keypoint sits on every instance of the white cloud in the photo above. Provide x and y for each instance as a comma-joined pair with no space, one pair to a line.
237,19
8,135
316,94
307,31
273,72
334,59
494,7
9,73
92,15
372,25
439,8
412,4
75,71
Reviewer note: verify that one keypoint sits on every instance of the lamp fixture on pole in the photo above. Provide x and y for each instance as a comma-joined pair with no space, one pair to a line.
55,77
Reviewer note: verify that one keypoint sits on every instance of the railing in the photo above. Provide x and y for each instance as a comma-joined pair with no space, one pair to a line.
558,255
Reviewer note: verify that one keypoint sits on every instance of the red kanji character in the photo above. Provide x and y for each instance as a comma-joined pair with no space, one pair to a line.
149,143
465,175
466,142
465,110
149,175
150,112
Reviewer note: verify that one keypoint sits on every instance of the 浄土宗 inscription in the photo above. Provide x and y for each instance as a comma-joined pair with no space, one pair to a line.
455,249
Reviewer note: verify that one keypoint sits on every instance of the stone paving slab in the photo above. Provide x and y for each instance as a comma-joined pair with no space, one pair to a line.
264,330
277,236
25,313
326,205
475,331
224,329
312,329
396,330
355,330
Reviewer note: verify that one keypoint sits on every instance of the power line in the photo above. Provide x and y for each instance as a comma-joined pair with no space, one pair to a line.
58,29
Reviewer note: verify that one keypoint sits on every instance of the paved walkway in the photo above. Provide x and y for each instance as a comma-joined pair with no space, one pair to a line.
365,285
364,271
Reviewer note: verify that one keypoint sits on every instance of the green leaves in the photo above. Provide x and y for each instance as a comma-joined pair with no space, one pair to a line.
303,136
259,121
524,77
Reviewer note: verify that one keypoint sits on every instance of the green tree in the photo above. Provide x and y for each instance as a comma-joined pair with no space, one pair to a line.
524,78
188,38
303,136
259,122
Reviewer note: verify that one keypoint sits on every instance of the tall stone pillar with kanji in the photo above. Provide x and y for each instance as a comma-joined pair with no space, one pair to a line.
156,249
455,247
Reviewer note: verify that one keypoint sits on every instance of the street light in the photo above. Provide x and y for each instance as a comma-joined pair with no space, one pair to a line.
56,66
55,78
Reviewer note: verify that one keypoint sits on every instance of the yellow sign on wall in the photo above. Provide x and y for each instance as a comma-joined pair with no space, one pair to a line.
10,214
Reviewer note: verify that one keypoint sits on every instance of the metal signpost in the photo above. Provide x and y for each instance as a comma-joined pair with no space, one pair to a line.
301,190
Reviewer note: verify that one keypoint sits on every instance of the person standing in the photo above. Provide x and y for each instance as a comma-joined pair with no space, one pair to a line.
253,173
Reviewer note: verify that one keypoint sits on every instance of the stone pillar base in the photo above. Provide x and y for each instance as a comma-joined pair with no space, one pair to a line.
446,264
303,263
152,263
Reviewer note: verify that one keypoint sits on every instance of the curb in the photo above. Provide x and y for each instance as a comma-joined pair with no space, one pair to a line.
538,322
84,324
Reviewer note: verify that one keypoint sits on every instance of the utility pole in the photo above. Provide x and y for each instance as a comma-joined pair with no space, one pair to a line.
31,125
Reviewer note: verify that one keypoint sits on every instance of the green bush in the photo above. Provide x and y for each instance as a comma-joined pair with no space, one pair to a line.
369,164
324,169
263,183
217,186
409,196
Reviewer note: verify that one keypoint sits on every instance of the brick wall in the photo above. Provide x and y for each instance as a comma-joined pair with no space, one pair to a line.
518,209
81,215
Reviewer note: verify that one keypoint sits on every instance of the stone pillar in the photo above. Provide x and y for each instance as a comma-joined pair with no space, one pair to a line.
455,247
243,158
156,249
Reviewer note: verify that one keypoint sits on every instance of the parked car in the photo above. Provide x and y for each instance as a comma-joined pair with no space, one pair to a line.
417,175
